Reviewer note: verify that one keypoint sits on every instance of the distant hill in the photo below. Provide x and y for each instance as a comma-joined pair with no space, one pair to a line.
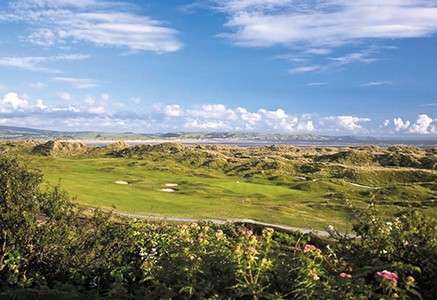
23,133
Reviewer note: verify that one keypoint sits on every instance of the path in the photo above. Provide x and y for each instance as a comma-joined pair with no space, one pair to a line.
222,222
365,186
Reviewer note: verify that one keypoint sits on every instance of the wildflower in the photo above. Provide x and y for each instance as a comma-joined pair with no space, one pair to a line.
330,228
345,275
310,247
410,279
246,232
314,276
388,276
194,225
219,234
192,256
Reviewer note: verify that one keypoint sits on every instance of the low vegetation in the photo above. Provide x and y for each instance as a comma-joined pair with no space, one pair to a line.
52,248
306,187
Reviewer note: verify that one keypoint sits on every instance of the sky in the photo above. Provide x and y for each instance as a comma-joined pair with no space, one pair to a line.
331,67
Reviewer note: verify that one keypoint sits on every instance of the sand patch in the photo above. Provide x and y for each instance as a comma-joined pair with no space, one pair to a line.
121,182
171,184
168,190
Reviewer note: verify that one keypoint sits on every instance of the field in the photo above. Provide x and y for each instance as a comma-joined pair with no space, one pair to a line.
310,188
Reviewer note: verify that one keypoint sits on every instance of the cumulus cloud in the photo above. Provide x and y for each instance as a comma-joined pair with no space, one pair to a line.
102,113
102,23
12,102
173,110
400,124
341,123
423,125
326,23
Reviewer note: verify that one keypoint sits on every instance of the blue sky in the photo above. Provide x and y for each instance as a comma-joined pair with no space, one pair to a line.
333,67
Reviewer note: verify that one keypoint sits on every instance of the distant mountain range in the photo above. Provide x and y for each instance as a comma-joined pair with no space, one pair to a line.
23,133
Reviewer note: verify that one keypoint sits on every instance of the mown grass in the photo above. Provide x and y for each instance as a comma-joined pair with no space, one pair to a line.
216,196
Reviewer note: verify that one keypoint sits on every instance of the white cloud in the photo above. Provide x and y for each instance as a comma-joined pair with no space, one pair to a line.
43,37
193,124
278,114
376,83
326,23
423,125
64,96
305,69
78,83
38,85
307,126
33,63
135,100
362,57
211,111
341,123
318,51
98,110
105,97
12,102
172,110
102,23
40,104
400,124
102,113
316,83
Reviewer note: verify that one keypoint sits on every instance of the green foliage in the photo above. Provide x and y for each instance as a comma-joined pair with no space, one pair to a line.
51,248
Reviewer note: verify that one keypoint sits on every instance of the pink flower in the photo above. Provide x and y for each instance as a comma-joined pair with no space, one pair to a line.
310,247
246,232
388,276
345,275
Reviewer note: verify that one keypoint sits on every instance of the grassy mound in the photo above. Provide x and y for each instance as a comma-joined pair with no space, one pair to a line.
60,149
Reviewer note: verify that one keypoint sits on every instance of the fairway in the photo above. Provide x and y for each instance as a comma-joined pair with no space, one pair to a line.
93,183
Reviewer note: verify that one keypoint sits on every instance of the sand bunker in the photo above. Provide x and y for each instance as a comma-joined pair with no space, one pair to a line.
121,182
171,184
168,190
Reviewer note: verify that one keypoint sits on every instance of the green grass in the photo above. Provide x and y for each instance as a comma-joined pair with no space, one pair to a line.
217,196
269,189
